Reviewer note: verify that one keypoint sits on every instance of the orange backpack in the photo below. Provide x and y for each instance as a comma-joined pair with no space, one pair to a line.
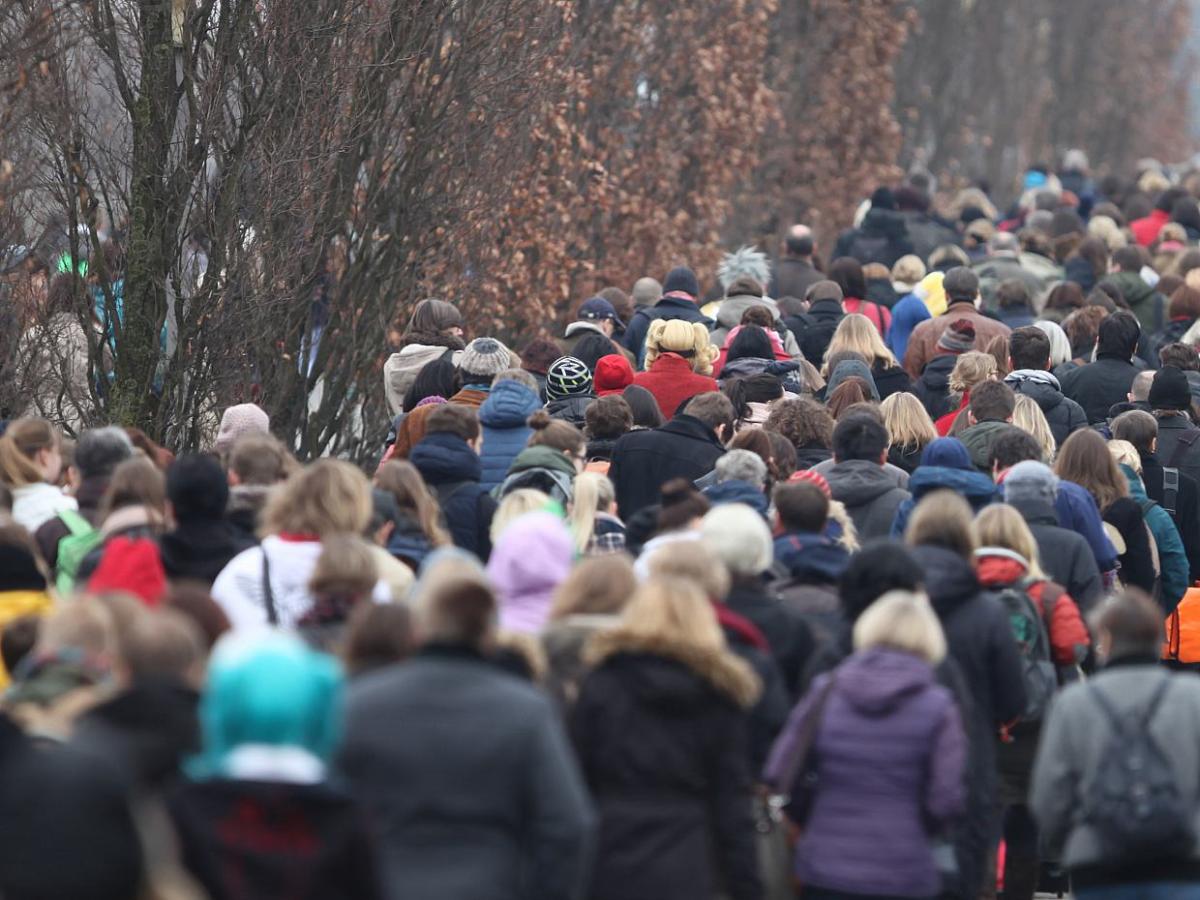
1182,642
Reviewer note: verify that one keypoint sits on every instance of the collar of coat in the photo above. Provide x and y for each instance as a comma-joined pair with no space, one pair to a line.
726,673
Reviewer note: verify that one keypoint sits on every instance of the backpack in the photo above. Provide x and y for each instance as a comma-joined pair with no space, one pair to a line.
554,484
1134,803
1038,672
82,539
1155,560
818,331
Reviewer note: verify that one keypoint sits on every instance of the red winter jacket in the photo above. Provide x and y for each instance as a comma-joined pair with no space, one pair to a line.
671,380
1069,638
1145,230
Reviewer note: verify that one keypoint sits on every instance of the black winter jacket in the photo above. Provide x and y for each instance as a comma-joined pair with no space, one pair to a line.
1063,414
933,387
1098,385
661,739
784,627
666,308
1179,444
452,470
882,238
1187,507
1065,555
643,461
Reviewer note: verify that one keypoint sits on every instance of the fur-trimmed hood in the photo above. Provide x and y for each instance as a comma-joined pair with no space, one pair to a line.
659,677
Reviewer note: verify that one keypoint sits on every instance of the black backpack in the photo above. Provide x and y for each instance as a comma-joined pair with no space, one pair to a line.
813,339
1134,803
1032,638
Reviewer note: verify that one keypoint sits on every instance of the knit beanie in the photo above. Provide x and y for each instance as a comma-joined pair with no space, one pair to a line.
958,338
1170,389
245,418
1030,480
883,198
613,374
485,358
568,377
682,280
433,400
808,475
947,452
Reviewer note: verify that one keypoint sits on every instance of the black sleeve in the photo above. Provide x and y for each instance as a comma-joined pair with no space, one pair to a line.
1137,564
732,821
1188,519
485,509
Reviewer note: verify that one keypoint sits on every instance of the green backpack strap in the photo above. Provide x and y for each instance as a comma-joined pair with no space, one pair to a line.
76,524
72,549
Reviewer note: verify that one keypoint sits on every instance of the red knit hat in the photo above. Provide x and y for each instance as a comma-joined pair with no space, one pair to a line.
613,375
813,478
131,565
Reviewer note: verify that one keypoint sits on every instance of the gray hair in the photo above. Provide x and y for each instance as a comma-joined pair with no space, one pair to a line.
742,465
520,376
1140,388
101,450
1003,242
646,291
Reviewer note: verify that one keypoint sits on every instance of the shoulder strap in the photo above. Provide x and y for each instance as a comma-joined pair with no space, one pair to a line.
268,594
1106,707
1155,699
802,752
76,524
1170,489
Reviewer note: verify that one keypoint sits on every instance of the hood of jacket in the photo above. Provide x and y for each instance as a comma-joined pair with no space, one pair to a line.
530,559
443,458
582,327
508,405
851,368
978,438
543,457
827,310
885,222
878,680
936,375
974,485
755,365
811,558
729,314
735,491
998,567
666,673
1132,287
859,481
1041,387
949,579
572,408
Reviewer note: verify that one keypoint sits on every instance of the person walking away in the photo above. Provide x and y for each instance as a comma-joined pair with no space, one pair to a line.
877,733
1098,385
30,467
1116,784
696,837
434,331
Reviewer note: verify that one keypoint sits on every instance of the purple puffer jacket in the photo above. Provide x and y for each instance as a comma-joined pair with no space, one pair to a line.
890,756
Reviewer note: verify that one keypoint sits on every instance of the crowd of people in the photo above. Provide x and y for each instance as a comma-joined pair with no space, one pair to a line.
859,577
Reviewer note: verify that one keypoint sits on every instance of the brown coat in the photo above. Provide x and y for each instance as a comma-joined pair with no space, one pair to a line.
922,344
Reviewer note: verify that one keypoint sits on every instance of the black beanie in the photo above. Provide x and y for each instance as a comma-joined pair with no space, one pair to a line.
682,279
883,198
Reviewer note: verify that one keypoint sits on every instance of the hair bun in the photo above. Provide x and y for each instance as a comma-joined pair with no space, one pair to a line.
540,420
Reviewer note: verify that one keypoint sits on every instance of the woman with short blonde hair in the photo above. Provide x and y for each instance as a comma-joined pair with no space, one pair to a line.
667,654
904,621
942,519
909,429
269,584
1028,416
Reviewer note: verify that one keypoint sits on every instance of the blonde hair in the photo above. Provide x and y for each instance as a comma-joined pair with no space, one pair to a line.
401,479
327,497
904,621
1125,452
1000,525
86,626
1106,229
856,334
972,368
599,585
345,568
514,505
23,440
588,495
907,421
691,561
942,519
839,514
1028,416
688,339
909,269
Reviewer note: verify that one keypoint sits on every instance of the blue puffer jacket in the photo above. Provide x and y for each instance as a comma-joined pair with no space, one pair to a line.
505,434
975,487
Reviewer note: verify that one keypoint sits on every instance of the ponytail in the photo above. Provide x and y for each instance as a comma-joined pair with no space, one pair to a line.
19,447
555,433
585,504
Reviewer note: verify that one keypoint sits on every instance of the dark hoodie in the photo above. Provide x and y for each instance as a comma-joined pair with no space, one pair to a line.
452,469
199,549
1063,414
869,494
808,567
933,387
979,438
571,409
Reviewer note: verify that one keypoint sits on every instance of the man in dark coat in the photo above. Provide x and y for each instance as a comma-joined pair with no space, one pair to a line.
924,231
448,460
464,768
203,540
97,453
1178,438
1181,499
882,237
1099,385
795,273
857,478
814,329
686,447
681,291
1029,362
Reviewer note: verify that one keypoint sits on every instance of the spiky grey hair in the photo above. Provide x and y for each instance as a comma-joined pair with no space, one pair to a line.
745,262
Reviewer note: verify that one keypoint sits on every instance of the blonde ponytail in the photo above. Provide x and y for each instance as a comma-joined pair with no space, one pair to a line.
584,506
